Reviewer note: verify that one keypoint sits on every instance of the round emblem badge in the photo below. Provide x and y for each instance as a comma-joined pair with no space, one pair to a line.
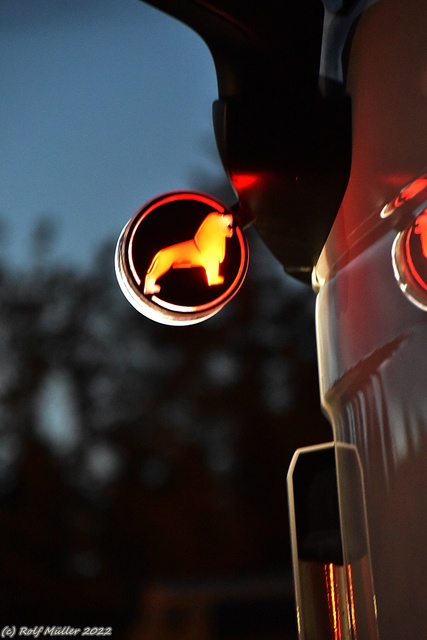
410,260
181,258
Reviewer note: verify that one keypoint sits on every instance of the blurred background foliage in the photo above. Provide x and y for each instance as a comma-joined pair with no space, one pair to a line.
131,452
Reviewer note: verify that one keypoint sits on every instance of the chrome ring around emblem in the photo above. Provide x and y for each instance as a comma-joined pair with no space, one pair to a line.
181,258
408,213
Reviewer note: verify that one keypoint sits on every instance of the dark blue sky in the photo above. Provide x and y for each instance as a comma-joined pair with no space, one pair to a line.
104,104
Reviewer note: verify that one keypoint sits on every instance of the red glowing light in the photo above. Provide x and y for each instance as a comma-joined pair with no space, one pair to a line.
411,190
408,200
243,181
417,264
410,260
421,230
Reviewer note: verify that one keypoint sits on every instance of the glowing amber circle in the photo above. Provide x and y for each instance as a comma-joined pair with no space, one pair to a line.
181,258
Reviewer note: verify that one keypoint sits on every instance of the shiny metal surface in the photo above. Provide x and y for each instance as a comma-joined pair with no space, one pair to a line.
373,387
371,338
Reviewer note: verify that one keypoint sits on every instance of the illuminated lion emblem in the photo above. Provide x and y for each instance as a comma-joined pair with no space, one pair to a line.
206,249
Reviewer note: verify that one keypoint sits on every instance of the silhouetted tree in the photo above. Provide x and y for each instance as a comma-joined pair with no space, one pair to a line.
130,450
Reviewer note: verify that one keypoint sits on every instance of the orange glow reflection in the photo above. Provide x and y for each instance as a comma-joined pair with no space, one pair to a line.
206,250
341,601
333,600
352,605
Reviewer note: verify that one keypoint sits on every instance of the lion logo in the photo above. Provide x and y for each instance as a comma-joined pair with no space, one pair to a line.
206,249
